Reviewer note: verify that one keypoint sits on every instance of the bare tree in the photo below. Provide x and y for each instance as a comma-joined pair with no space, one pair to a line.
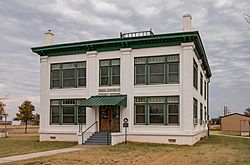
247,18
247,112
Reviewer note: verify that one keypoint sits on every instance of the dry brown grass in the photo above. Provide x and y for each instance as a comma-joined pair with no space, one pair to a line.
215,150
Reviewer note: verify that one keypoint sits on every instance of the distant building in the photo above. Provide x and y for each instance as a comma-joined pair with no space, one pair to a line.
235,124
159,82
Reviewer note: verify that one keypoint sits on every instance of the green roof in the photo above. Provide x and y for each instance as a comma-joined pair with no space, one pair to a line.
159,40
120,100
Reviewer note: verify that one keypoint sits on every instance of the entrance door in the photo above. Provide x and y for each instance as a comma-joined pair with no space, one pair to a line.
109,118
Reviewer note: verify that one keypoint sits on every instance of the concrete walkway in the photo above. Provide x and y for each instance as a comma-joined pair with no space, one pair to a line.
217,134
38,154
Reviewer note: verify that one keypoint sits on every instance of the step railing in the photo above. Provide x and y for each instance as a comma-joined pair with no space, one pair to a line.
87,133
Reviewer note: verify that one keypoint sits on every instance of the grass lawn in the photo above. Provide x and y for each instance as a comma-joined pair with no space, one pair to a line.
215,150
20,143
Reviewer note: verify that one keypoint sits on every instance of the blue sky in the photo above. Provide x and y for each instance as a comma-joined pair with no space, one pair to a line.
224,32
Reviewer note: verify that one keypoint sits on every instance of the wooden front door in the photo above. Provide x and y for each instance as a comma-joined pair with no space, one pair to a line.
109,118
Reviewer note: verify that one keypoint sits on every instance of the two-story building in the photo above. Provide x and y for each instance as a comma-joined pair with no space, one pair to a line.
159,82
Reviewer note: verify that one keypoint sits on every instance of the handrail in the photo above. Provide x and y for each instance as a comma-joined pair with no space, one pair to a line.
88,129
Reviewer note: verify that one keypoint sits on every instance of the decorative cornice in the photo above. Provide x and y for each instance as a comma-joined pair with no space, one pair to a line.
170,39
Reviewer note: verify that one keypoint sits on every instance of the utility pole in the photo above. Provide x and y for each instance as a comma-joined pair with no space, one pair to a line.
226,111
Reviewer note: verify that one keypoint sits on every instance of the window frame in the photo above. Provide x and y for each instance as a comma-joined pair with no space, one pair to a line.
201,84
166,101
166,74
62,105
110,69
195,111
201,113
195,74
76,77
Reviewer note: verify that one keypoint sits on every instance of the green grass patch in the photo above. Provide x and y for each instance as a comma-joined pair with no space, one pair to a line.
19,143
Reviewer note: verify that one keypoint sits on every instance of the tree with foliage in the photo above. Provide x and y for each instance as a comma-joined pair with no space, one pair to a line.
3,114
36,119
25,113
2,110
247,112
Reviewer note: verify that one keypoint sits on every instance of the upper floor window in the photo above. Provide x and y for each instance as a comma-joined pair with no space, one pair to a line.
195,75
68,75
110,72
201,84
157,70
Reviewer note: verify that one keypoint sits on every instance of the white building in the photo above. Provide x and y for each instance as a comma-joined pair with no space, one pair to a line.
158,82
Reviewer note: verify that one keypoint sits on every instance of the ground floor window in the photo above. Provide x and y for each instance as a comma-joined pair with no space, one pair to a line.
67,111
195,111
156,110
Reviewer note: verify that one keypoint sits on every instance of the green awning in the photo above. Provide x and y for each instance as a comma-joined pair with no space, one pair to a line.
120,100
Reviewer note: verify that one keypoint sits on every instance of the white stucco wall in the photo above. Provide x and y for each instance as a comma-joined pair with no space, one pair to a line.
184,133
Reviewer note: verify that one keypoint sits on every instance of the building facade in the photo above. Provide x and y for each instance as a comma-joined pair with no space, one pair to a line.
235,124
158,82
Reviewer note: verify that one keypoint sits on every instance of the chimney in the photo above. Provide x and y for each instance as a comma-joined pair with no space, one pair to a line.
187,22
48,37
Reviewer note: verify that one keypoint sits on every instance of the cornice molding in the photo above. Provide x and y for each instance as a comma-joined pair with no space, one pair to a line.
160,40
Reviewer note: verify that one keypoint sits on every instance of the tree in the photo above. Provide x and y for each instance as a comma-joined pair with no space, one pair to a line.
36,119
3,114
25,113
2,110
247,112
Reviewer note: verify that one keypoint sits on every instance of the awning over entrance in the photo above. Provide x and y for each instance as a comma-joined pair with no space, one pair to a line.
120,100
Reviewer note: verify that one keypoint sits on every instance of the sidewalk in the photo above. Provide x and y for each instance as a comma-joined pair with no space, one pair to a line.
38,154
217,134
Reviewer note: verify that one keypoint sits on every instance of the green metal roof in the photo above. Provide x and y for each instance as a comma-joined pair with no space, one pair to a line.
158,40
105,100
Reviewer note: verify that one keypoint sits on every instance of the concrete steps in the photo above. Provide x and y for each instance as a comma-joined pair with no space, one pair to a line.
98,138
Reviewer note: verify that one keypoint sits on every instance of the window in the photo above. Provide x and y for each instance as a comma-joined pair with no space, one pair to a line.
205,116
140,110
157,110
81,113
195,75
68,75
81,74
195,109
55,111
140,70
157,70
173,69
173,110
201,114
205,90
55,75
67,111
110,72
201,84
